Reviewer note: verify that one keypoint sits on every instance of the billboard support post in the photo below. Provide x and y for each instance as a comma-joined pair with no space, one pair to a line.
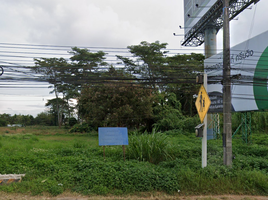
210,42
227,115
210,50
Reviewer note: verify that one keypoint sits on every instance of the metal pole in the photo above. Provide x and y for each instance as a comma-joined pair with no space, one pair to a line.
204,139
124,153
104,152
210,50
210,40
227,120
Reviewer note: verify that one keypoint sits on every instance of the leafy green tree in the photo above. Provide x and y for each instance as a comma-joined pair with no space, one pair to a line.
83,71
116,104
69,94
25,120
17,119
183,69
72,121
53,69
88,79
148,61
45,118
175,74
3,122
86,60
67,79
55,105
6,118
167,112
84,68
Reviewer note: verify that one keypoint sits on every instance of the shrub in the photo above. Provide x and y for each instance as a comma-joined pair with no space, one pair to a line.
103,177
79,145
148,147
72,121
100,190
189,124
81,128
3,122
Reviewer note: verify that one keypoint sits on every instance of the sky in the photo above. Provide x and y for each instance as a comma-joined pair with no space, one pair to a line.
96,23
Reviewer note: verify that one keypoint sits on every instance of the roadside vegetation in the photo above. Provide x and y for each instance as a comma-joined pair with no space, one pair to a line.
56,161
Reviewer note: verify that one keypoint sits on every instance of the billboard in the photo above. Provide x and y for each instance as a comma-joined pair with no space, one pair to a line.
193,13
249,75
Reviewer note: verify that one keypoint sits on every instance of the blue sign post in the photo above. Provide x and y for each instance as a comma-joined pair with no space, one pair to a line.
109,136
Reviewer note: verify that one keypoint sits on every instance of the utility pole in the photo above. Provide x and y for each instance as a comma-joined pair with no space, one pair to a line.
227,115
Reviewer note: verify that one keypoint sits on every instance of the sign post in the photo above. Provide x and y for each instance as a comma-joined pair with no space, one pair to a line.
202,105
113,136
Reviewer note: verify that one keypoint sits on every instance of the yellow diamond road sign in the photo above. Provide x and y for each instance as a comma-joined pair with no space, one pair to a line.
202,103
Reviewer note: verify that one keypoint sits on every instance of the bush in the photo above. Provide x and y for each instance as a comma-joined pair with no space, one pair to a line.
167,112
81,128
260,121
3,122
72,121
189,124
103,177
148,147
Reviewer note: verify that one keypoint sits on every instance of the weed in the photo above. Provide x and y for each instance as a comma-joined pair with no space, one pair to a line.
79,145
100,190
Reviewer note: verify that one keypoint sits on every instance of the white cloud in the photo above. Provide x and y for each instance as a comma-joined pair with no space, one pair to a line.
93,23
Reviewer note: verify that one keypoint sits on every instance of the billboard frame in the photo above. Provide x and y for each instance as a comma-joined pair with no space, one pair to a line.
214,17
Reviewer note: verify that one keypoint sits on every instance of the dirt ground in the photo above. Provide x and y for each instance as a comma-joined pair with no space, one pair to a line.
71,196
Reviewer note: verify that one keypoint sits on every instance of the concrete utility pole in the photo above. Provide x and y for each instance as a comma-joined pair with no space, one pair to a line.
227,115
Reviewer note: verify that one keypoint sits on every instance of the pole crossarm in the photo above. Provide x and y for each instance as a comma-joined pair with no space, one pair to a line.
214,18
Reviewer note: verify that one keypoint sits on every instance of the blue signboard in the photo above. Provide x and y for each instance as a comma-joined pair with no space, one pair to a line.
113,136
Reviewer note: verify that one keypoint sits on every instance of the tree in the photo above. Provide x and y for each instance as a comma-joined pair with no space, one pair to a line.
175,74
45,118
116,104
167,112
6,118
149,61
57,107
3,122
26,120
183,69
67,79
105,94
84,68
53,69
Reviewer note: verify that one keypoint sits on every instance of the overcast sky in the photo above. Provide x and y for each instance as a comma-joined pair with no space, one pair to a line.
102,23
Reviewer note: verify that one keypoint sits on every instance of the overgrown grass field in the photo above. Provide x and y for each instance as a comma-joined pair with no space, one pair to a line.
55,161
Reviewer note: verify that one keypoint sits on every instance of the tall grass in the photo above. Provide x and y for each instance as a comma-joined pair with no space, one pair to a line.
148,147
